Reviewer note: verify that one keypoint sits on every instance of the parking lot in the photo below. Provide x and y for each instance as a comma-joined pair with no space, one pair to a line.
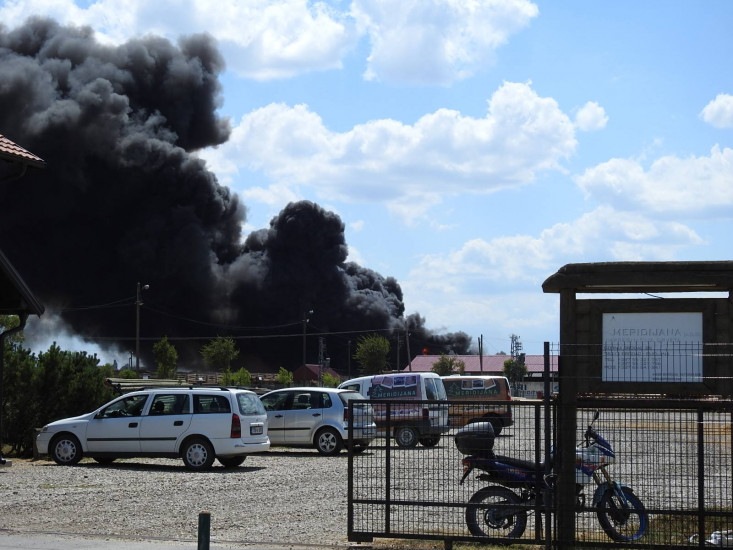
284,496
299,497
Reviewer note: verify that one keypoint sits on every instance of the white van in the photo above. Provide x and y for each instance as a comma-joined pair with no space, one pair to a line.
409,422
478,398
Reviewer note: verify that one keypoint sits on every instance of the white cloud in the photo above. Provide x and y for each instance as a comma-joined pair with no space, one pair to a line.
432,42
511,262
672,185
437,41
591,117
719,112
402,165
261,39
357,225
497,283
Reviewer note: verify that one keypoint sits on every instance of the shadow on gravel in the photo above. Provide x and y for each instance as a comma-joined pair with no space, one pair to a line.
142,466
301,454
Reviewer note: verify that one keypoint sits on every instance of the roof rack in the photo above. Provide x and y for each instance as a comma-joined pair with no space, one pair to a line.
124,385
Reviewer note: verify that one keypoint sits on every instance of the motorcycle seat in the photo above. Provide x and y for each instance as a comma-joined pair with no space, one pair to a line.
519,463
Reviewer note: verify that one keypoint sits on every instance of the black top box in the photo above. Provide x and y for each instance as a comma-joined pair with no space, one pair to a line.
476,438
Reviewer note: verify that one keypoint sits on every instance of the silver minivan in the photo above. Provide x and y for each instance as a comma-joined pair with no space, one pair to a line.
318,417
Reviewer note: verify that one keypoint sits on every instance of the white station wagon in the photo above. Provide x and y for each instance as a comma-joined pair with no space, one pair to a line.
196,424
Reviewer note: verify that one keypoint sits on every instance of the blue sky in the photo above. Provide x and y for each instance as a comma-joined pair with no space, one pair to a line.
471,148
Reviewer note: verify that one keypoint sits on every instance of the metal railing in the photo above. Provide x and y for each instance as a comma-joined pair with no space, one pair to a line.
676,455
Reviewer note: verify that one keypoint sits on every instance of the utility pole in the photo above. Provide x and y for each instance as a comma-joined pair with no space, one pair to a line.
138,303
481,353
321,358
516,346
407,343
305,327
397,358
348,359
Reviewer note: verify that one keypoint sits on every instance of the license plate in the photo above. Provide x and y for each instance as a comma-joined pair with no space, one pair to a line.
256,429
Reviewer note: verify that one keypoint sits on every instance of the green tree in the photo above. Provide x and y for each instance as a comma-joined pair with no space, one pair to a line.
515,370
371,354
448,364
8,322
219,353
39,389
128,374
166,358
284,377
241,378
330,380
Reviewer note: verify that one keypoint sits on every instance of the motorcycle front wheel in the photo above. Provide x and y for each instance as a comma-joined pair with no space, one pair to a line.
496,512
622,518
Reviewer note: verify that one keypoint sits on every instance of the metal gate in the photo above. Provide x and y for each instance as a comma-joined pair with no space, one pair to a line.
674,453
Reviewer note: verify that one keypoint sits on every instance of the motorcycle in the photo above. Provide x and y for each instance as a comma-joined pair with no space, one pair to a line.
517,486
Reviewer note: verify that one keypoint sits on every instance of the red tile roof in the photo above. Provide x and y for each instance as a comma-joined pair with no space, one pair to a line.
11,151
490,364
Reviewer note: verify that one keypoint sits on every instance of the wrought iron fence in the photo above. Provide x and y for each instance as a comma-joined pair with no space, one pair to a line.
674,454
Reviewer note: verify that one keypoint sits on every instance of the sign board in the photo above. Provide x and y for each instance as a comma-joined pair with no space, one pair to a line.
652,347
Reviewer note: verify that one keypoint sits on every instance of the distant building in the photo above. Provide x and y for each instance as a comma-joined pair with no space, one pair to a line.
493,365
311,375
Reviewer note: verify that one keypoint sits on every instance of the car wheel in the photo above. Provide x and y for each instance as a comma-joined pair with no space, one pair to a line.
198,454
66,450
231,461
430,441
328,442
104,459
406,437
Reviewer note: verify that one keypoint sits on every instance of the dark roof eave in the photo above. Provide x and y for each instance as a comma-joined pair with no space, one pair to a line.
630,277
28,302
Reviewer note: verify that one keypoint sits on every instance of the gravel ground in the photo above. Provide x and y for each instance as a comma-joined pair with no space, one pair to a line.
298,498
284,496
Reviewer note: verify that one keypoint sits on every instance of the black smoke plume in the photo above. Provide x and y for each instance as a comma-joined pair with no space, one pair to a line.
124,201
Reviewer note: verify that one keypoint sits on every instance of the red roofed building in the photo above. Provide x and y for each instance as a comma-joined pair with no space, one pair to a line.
310,374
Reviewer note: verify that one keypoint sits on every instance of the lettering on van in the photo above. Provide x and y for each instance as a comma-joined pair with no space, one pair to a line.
394,387
470,388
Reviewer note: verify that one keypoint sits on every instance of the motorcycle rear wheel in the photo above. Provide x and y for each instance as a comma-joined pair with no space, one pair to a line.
496,512
621,521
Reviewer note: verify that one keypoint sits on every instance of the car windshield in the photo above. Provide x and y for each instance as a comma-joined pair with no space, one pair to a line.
250,404
435,389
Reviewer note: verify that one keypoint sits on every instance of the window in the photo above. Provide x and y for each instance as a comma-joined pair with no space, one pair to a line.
211,404
249,404
170,404
325,401
302,401
277,401
431,394
127,406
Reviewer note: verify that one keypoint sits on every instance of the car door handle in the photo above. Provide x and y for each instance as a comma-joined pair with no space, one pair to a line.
278,416
316,414
178,423
132,425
